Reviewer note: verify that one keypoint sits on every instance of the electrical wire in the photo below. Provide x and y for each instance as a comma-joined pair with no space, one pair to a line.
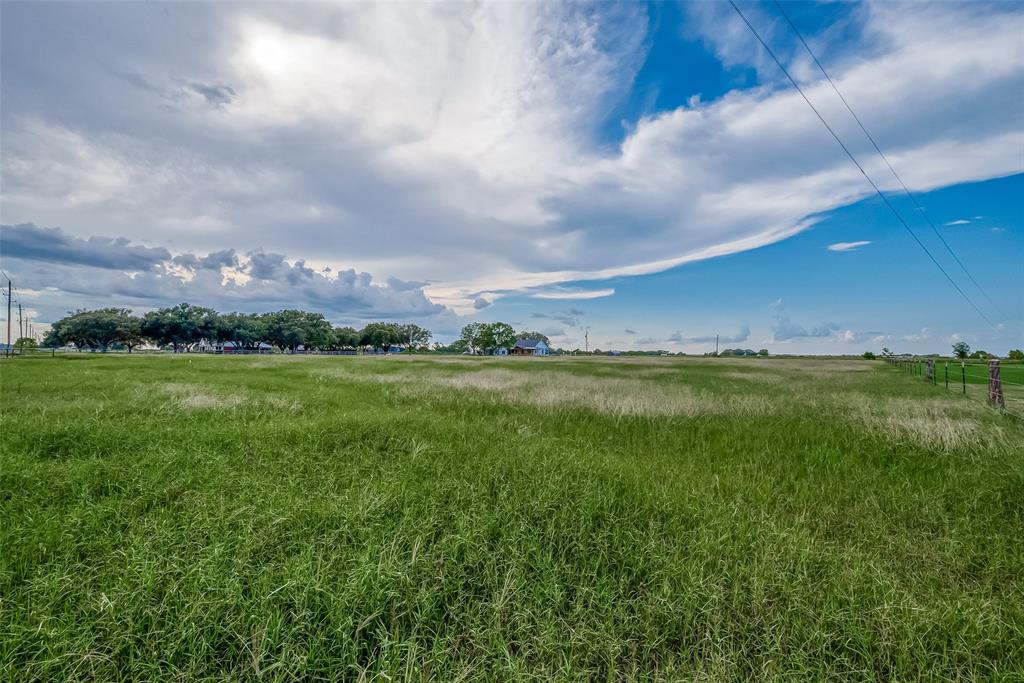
878,149
879,192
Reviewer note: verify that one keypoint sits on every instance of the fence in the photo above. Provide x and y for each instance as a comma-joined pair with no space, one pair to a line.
979,380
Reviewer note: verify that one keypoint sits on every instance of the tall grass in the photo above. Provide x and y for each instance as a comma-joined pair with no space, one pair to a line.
476,519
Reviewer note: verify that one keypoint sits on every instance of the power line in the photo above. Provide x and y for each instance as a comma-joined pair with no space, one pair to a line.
884,158
821,118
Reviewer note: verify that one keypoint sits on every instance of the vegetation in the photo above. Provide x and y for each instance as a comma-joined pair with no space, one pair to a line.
526,334
25,344
179,327
487,338
323,518
961,350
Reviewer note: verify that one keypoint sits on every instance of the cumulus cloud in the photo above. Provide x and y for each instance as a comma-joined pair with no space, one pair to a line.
225,258
460,144
62,272
848,246
53,245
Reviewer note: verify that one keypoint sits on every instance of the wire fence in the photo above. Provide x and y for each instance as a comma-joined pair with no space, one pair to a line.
1001,385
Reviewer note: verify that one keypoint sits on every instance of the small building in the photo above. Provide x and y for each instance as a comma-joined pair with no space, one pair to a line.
530,347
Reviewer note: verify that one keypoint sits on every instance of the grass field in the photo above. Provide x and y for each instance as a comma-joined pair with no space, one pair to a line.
282,518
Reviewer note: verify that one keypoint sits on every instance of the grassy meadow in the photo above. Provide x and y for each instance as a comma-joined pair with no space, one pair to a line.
445,518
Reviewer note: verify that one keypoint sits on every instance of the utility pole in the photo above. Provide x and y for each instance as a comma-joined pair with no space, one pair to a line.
586,340
716,344
20,324
8,315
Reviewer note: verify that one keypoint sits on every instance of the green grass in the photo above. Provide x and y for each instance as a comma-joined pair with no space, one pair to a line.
211,518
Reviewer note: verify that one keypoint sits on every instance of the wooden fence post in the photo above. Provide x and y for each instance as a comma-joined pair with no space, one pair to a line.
929,370
995,385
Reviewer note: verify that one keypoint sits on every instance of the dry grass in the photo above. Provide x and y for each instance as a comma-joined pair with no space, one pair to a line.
940,424
199,397
759,376
620,396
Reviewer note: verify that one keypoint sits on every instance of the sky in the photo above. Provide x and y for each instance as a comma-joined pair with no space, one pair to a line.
639,176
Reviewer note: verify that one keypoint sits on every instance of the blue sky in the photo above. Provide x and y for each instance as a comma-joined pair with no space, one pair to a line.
644,172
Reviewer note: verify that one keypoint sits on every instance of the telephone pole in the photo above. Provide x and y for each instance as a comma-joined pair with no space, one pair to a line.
8,315
586,340
21,331
716,344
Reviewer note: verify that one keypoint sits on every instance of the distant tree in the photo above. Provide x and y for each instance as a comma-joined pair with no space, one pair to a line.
347,337
130,331
380,335
245,329
868,355
414,336
180,325
470,337
499,336
534,335
763,352
26,344
52,338
961,350
982,355
289,329
1015,354
96,329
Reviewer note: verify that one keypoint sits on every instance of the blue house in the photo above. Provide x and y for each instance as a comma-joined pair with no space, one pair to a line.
530,347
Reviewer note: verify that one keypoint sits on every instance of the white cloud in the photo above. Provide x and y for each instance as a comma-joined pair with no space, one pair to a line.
125,274
960,221
568,293
458,144
848,246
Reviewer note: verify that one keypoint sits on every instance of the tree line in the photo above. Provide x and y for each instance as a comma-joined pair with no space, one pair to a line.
184,325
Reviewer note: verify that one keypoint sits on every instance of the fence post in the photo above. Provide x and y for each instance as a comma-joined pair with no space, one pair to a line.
947,375
995,385
963,377
929,370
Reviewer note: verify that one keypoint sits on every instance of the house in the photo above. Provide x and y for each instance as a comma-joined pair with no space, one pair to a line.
530,347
